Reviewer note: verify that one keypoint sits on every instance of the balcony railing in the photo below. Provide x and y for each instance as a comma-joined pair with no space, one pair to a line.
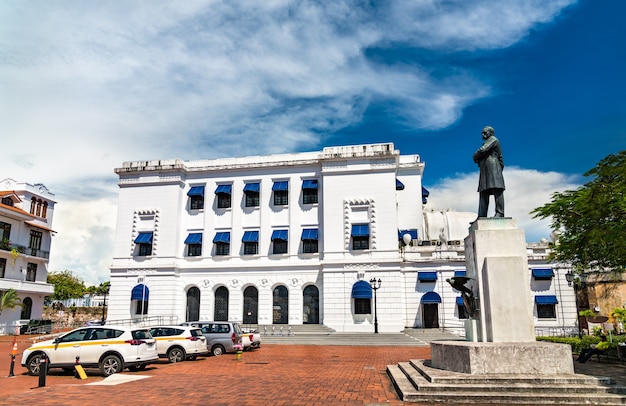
8,246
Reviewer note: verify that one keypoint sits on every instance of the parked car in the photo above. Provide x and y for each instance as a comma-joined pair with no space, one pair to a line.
109,348
38,326
178,343
251,339
221,336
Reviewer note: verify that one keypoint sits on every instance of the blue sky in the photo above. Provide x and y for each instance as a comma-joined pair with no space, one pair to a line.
85,86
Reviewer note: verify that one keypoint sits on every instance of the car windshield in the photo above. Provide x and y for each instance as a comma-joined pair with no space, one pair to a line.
196,332
76,335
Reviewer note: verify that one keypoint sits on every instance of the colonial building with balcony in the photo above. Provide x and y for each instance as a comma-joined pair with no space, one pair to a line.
295,239
26,213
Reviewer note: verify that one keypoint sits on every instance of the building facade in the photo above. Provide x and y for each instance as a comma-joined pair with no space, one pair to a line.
295,239
26,213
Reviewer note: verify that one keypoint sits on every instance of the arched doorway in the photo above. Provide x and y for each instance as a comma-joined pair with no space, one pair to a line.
250,305
27,308
281,305
311,305
430,310
193,304
220,312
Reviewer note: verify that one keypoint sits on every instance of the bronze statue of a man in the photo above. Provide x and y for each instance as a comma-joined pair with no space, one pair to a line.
491,182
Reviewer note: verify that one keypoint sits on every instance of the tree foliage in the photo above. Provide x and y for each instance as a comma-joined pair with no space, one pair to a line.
9,300
592,218
66,285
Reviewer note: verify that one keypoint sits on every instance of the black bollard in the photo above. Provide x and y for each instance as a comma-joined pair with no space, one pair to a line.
12,366
43,370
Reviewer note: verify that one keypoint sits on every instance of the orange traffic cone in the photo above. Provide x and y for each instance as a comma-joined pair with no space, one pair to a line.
14,350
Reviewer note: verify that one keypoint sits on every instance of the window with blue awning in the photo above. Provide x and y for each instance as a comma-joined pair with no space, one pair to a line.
460,273
459,301
250,236
431,297
309,184
360,230
194,238
222,237
140,292
309,234
543,273
546,299
361,290
196,191
411,232
252,187
427,276
425,194
280,235
225,189
399,185
282,185
144,238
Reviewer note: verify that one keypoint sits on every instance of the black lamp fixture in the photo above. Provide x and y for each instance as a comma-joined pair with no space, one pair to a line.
105,292
375,284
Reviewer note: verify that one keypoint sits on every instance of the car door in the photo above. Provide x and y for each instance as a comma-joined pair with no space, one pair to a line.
93,346
67,347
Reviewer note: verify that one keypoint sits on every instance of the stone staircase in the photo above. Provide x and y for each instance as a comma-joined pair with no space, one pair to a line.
416,381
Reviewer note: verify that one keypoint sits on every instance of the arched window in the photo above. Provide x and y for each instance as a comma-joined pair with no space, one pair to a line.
281,305
250,305
33,204
193,304
38,211
44,212
220,312
139,299
311,305
27,307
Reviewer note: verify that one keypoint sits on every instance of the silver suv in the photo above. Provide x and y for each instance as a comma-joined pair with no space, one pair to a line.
221,336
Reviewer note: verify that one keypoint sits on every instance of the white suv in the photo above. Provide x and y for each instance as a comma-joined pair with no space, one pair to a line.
110,348
178,343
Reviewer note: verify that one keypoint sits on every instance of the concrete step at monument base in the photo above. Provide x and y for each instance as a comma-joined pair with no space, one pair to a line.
415,381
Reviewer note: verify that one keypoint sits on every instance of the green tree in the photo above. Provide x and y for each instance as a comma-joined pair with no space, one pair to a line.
592,218
66,285
9,300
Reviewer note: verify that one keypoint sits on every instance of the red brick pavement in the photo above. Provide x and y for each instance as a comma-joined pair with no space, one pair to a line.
271,375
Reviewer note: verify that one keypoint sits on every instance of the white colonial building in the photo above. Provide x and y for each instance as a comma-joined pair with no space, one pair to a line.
295,239
26,213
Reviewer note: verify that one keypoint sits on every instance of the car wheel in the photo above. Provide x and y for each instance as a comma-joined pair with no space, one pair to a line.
176,354
217,350
33,364
111,364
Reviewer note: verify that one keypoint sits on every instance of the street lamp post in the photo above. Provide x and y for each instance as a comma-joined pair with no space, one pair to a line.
375,284
104,302
579,282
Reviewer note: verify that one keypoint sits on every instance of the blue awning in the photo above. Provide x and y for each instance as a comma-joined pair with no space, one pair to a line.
309,184
140,292
284,185
222,237
425,194
361,290
250,236
427,276
309,234
196,191
547,299
144,238
459,301
252,187
360,230
399,185
194,238
431,297
412,233
226,189
460,273
280,235
543,273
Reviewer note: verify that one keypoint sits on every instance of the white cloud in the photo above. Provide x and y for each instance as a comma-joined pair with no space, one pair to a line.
526,189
